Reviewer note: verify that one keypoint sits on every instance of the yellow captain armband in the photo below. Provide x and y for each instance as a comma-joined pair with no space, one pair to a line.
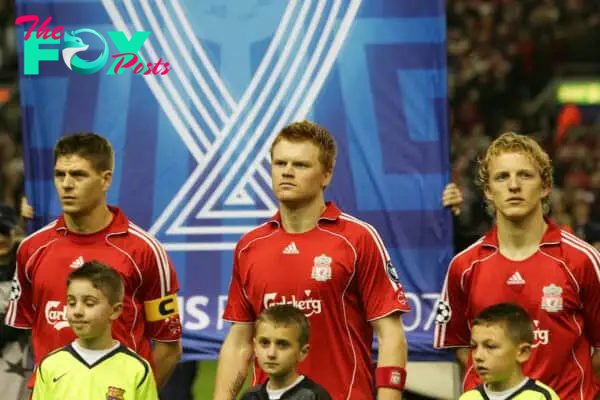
163,308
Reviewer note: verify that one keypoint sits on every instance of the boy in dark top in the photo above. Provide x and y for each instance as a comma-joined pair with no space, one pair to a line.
280,343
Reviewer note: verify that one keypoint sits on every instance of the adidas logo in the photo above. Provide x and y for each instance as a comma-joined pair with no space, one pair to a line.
515,279
78,262
291,249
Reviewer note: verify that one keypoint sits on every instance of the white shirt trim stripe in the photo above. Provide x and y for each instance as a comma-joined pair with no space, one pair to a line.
440,329
11,314
45,228
385,258
592,254
439,332
586,248
351,386
162,262
565,267
582,373
162,252
133,298
239,253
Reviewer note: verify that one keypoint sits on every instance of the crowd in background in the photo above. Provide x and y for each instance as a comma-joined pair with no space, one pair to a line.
501,55
11,159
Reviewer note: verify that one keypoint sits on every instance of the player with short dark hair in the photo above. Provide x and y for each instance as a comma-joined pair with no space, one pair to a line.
331,265
280,343
94,366
526,259
90,229
90,146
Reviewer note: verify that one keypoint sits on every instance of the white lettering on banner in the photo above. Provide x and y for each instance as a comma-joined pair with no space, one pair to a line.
194,308
420,304
309,305
56,315
540,336
221,310
196,312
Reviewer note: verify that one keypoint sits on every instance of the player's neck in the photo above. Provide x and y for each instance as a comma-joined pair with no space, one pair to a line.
92,222
513,381
519,240
276,383
101,342
301,218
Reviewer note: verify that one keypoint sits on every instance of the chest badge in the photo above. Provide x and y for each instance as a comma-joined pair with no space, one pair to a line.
115,393
552,300
321,271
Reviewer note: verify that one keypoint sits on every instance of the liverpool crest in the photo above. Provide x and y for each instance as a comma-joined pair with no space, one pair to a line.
322,268
552,300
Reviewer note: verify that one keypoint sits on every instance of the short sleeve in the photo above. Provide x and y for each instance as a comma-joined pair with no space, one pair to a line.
452,325
146,388
378,282
159,290
590,287
20,312
238,308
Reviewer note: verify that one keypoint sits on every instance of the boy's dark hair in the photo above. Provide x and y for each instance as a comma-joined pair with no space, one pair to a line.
285,314
518,323
88,145
102,277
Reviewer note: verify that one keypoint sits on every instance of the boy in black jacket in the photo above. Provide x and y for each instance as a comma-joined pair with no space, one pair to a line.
280,343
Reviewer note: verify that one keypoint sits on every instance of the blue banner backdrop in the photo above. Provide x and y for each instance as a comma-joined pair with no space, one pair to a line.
192,161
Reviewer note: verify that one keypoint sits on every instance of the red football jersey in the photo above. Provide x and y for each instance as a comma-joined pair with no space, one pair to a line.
339,274
558,286
45,259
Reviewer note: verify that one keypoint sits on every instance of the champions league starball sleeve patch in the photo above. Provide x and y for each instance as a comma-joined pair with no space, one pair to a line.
443,313
15,290
392,273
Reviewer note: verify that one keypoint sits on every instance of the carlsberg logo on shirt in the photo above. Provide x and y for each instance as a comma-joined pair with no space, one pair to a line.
309,305
56,315
540,336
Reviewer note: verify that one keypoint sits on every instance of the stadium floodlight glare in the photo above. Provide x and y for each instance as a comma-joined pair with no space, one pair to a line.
579,92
